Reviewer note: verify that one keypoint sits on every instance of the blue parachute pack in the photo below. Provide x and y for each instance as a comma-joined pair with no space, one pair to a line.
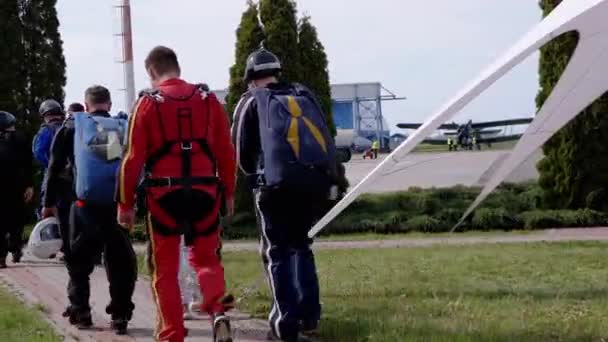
299,151
98,149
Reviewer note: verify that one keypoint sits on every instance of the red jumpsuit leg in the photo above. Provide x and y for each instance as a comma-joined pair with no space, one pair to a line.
206,260
165,287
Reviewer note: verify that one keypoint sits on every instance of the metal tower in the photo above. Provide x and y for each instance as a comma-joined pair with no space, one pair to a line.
126,34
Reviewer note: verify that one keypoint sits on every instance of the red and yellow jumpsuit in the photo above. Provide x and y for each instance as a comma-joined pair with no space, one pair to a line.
175,121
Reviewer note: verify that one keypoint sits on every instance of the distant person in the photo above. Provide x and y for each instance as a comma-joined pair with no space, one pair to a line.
16,173
180,133
95,160
375,148
52,115
286,150
75,108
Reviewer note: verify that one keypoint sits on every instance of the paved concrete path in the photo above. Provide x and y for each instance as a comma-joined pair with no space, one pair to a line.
442,169
42,284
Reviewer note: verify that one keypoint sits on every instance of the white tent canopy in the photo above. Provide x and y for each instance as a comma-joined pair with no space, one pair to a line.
585,79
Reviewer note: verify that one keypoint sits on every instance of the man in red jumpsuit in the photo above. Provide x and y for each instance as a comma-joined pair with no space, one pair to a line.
179,136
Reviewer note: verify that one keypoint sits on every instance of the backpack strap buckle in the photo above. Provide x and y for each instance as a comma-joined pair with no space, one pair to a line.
186,145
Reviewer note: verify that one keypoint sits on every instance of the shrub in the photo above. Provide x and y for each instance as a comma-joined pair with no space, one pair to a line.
486,219
425,224
596,200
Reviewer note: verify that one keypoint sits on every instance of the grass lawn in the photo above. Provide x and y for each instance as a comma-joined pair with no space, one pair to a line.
522,292
21,324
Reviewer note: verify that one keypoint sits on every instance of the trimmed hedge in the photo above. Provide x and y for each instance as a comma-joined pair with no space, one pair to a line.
510,207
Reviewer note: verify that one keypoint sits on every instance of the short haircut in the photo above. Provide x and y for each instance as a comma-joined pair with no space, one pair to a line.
75,107
97,95
162,60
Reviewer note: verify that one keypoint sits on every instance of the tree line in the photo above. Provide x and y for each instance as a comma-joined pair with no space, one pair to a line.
32,64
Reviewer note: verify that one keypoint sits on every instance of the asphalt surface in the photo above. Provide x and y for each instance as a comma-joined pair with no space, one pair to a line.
447,169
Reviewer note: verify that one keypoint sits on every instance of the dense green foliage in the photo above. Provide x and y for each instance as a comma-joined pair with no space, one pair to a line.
313,65
280,23
32,66
249,36
575,170
12,83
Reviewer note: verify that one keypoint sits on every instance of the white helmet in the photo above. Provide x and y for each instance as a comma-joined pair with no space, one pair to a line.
45,240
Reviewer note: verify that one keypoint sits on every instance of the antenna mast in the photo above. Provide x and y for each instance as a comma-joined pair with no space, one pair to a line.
127,53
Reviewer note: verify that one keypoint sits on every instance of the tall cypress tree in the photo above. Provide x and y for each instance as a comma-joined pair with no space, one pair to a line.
12,82
281,30
44,60
249,37
313,67
574,172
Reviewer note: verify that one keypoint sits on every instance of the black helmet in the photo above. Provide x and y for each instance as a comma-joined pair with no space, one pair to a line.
50,107
262,63
7,120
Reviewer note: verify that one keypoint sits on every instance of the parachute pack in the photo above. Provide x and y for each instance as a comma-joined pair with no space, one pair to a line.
299,152
98,148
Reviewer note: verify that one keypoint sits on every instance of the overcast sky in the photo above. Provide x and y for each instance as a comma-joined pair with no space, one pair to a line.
425,50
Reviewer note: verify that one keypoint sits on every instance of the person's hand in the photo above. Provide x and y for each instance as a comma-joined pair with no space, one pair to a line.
28,194
126,218
49,212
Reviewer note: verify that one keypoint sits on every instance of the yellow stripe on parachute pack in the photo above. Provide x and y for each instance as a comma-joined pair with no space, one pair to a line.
293,136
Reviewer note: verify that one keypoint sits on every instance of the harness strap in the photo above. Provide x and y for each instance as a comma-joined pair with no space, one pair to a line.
173,181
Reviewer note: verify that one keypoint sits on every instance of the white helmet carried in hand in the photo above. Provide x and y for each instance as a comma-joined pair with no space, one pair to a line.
45,240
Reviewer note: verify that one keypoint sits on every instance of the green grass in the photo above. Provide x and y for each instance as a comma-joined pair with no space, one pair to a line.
19,323
522,292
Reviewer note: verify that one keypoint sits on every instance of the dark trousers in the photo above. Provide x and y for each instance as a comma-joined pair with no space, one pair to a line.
12,212
284,219
63,211
94,229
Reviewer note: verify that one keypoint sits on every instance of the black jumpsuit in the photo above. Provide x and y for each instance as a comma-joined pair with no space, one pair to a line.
16,175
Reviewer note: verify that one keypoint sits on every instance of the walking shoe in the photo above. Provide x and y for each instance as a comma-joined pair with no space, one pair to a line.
17,256
120,326
221,329
3,263
228,302
188,314
81,321
271,336
309,329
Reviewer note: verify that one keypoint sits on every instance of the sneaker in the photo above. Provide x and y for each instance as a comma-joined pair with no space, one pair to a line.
120,326
81,321
17,256
188,314
3,263
221,329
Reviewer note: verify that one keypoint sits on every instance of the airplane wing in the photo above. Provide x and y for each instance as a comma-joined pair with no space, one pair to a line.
409,125
417,125
511,122
489,131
